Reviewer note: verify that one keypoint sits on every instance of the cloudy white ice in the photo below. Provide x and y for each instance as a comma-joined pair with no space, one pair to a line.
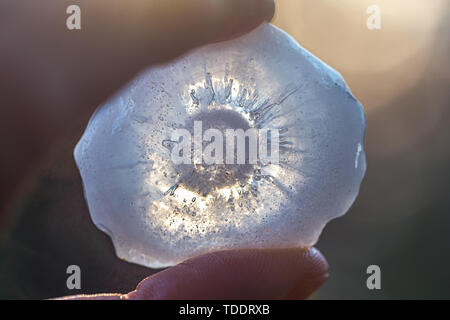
159,213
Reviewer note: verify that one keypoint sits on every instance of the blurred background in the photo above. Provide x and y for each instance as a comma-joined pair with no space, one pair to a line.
401,219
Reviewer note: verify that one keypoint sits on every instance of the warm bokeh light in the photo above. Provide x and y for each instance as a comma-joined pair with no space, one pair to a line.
378,64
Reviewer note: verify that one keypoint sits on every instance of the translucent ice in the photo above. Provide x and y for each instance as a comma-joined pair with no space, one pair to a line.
158,212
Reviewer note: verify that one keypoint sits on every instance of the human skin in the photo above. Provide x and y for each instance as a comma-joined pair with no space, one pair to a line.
52,79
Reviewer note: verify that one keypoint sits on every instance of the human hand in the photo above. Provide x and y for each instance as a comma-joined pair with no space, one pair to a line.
52,79
291,273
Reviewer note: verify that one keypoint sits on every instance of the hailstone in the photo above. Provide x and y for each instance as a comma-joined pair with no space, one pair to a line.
163,197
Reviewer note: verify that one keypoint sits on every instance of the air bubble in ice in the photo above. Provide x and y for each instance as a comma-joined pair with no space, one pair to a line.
159,213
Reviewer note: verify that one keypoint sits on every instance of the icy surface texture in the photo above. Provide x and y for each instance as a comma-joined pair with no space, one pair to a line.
159,213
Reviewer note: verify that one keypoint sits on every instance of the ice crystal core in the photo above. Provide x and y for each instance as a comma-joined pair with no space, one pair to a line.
159,213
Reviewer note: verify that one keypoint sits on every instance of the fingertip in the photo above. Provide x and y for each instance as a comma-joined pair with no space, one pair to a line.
269,9
291,273
243,16
316,272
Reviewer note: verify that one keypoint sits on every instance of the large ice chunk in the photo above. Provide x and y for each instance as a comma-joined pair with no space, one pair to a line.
159,212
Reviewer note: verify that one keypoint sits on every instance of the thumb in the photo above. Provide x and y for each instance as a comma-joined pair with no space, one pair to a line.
292,273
